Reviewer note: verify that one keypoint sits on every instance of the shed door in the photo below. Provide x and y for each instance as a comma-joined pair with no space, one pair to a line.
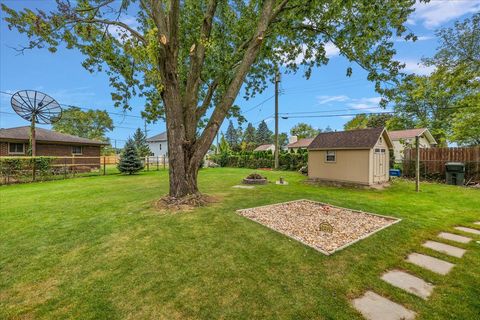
379,165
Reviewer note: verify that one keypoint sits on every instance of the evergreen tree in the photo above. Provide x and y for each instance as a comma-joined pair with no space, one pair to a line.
249,137
232,137
224,146
140,142
129,160
328,129
263,134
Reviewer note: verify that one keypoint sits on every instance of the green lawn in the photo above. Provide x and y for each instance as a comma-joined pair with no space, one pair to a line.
93,248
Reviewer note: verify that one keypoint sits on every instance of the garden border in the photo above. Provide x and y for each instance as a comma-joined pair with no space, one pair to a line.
396,220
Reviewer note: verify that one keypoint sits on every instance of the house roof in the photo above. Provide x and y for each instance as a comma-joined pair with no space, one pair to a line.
264,147
412,133
44,135
159,137
301,143
352,139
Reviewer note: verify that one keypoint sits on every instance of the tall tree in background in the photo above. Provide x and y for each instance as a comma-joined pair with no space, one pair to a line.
362,121
447,101
303,130
328,129
263,135
249,140
140,142
232,137
189,59
90,124
282,140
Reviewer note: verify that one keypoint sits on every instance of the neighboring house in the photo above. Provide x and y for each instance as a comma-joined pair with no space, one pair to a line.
158,145
402,139
15,142
295,144
265,147
355,156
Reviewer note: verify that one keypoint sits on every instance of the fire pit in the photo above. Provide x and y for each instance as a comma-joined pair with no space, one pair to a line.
255,178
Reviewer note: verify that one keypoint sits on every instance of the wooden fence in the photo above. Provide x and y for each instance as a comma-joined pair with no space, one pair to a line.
433,160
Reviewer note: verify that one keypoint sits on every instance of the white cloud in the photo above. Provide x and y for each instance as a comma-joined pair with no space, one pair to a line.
119,33
435,13
330,51
365,104
327,99
419,38
413,66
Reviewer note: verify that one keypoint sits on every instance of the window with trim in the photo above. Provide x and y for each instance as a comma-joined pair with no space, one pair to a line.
160,146
16,148
77,150
330,156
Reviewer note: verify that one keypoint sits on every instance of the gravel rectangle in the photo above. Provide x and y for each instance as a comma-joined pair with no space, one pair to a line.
321,226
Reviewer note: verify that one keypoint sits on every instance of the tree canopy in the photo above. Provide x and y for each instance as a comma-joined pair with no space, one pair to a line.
447,100
303,130
90,124
263,134
189,59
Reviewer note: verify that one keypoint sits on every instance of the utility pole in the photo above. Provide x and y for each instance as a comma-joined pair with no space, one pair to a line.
277,80
417,164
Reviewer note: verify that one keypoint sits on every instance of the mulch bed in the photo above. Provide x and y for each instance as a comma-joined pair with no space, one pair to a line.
321,226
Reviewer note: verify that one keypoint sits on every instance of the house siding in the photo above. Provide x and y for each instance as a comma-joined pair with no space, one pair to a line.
400,145
90,154
158,148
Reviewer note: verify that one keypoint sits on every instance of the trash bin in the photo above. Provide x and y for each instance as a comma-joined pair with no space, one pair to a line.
455,173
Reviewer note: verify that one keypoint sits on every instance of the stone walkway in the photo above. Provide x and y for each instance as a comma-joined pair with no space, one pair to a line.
375,307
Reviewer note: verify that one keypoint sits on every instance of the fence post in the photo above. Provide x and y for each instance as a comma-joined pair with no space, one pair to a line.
163,162
33,169
104,166
417,164
147,160
64,168
158,162
73,165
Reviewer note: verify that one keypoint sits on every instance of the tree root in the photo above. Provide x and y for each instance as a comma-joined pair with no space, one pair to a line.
185,203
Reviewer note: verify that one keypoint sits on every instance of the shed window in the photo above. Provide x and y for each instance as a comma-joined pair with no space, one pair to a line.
160,146
16,148
330,156
77,150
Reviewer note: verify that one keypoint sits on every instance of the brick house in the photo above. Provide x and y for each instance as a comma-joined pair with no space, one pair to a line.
14,142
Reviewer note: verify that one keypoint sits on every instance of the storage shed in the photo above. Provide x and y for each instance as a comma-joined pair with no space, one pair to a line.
356,156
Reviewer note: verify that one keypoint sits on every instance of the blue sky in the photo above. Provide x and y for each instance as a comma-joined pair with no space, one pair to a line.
328,91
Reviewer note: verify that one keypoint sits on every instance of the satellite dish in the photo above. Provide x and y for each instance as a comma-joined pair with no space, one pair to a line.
35,107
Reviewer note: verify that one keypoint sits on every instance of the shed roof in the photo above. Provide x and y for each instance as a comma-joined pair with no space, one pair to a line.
264,147
44,135
159,137
301,143
352,139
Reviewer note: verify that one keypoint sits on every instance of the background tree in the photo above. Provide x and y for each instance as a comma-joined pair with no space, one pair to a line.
282,140
303,130
140,141
328,129
249,139
224,147
189,59
443,98
362,121
90,124
263,135
232,137
129,162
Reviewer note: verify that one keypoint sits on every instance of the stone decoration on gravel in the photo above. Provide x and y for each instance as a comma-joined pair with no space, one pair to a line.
302,220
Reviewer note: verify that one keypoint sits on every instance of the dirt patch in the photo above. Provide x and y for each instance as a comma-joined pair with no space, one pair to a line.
321,226
186,203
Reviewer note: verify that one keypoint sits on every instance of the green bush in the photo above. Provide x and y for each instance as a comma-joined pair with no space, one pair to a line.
264,159
21,168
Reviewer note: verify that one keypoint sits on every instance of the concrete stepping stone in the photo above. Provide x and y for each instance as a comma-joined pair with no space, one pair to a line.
477,223
243,187
375,307
454,237
430,263
409,283
445,248
468,230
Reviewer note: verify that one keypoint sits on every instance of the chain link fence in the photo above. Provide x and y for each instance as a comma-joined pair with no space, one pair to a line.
31,169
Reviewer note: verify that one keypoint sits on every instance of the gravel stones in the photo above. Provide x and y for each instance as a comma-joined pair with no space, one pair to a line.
305,221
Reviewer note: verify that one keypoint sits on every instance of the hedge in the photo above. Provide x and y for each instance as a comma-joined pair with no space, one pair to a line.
263,159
